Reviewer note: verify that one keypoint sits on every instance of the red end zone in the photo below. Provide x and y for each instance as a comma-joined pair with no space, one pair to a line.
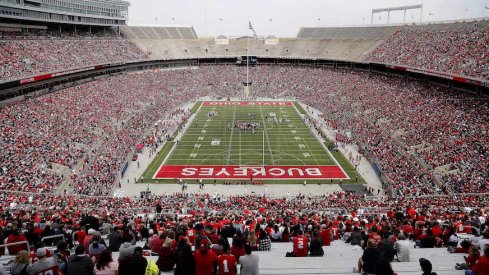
246,103
249,172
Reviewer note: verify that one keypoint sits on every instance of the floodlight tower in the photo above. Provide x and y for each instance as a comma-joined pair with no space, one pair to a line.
400,8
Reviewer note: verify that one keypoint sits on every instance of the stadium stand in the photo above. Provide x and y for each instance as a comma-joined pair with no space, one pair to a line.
459,48
347,33
415,160
202,47
27,54
135,32
61,154
124,220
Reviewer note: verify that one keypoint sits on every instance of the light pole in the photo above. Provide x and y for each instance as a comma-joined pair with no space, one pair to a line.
271,30
220,19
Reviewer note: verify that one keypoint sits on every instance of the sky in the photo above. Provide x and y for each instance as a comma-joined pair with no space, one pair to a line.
283,18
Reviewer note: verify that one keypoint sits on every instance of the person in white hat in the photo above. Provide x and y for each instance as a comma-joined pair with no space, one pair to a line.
152,237
44,263
88,238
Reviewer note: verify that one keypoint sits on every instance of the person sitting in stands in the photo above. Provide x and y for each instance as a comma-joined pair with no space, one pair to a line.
249,262
383,267
356,236
482,265
426,267
402,248
45,264
371,255
316,249
166,257
205,259
264,242
226,262
300,244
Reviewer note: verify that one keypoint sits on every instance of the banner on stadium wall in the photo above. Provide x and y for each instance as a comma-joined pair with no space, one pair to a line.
246,103
237,172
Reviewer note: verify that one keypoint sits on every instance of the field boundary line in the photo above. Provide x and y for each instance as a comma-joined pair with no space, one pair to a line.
324,146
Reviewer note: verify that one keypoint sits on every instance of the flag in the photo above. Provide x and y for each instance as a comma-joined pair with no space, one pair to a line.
251,28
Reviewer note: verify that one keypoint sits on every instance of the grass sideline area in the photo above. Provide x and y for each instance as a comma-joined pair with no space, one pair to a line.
299,108
196,107
280,138
155,164
347,166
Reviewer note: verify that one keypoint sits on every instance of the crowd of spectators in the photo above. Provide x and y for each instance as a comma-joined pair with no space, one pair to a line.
33,53
400,122
179,221
417,134
458,48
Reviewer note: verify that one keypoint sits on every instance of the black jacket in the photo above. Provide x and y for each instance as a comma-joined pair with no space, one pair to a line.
79,265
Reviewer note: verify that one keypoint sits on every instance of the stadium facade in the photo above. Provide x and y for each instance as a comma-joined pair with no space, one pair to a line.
73,12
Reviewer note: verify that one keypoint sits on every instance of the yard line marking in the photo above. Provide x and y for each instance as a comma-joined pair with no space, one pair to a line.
266,135
239,162
318,140
231,136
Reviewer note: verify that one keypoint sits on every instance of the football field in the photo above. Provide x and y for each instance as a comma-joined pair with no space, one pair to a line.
247,140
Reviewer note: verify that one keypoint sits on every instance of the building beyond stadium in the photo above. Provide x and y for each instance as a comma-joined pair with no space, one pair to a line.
73,12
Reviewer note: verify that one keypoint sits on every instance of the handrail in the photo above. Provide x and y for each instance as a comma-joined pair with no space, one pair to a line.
54,237
17,243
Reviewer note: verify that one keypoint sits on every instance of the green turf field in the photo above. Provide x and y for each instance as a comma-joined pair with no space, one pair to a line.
280,138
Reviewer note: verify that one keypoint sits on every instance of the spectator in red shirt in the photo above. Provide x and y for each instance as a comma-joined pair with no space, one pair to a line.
88,238
300,245
191,233
436,230
325,235
80,235
15,237
374,236
226,262
482,265
237,248
205,259
158,244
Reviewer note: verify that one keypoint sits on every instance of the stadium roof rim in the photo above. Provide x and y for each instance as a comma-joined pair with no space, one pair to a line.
159,26
403,24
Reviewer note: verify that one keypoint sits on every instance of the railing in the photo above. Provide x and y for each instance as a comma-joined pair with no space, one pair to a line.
54,237
17,243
